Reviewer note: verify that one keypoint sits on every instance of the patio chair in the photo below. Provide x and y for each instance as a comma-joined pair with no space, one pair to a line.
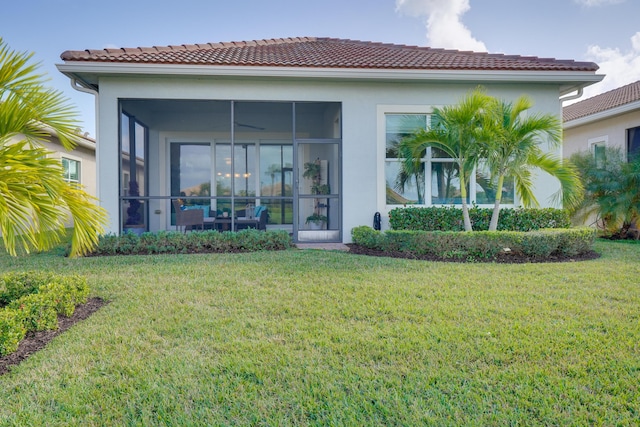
188,219
259,222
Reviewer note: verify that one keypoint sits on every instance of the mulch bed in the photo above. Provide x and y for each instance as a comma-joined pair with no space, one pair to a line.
505,258
35,341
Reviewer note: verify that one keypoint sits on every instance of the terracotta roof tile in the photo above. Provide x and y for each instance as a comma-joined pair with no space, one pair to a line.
605,101
312,52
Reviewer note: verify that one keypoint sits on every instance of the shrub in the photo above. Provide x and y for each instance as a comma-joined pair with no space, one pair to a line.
366,236
40,298
16,285
450,219
37,312
611,184
479,245
66,293
171,242
12,331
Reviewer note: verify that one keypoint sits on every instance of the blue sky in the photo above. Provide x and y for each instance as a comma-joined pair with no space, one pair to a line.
604,31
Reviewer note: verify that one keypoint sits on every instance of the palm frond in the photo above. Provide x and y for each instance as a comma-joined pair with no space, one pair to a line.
35,200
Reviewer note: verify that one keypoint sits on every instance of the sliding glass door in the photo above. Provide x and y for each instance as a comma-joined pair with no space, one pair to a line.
276,182
190,176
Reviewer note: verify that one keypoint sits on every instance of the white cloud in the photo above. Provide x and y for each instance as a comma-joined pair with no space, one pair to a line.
444,27
620,67
593,3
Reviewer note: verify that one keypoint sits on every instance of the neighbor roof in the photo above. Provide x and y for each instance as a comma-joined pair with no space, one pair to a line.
312,52
603,102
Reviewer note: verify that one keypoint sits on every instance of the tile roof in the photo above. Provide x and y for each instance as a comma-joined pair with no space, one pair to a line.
312,52
605,101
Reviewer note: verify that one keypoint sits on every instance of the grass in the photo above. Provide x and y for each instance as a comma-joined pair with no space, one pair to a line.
327,338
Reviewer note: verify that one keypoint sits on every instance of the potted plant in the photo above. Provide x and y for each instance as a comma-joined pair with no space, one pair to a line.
316,221
313,171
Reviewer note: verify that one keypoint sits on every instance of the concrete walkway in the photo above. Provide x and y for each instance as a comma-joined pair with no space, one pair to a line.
323,246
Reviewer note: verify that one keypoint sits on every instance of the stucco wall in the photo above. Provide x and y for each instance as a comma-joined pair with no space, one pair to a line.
363,190
87,159
613,130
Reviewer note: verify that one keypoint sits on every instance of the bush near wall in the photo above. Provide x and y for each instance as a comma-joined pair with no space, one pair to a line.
450,219
172,242
478,245
32,301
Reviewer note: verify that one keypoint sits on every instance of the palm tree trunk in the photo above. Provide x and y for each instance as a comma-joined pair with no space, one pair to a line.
493,225
465,208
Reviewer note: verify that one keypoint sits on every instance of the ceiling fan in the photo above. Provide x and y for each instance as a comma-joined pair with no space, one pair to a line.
243,125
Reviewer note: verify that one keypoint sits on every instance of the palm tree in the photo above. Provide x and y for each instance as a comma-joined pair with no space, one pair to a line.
611,189
457,132
512,148
35,200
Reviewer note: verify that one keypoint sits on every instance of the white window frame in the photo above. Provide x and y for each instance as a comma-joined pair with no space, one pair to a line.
78,161
600,141
382,112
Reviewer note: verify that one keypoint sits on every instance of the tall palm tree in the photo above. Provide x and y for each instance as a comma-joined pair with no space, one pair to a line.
457,132
35,200
512,148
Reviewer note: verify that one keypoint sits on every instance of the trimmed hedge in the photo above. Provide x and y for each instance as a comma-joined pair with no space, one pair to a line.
15,285
480,244
450,219
39,298
172,242
12,331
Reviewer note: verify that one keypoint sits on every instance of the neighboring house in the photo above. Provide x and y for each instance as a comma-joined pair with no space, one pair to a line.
609,119
79,164
230,125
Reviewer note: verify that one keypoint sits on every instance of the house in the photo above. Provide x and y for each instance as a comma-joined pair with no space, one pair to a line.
79,164
304,127
609,119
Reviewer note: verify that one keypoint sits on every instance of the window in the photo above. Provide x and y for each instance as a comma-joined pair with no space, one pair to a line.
403,189
597,147
71,170
436,181
633,142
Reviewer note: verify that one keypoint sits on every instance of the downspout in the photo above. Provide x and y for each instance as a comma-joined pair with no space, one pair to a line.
576,95
80,88
77,86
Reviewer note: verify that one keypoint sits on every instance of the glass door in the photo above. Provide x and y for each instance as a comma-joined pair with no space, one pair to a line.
276,182
318,183
190,180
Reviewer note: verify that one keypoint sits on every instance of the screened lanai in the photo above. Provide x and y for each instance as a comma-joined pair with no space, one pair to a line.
232,160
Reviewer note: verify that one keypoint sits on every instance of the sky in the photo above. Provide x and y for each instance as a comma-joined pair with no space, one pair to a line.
606,32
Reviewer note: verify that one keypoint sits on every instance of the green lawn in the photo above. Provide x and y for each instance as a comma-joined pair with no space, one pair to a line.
327,338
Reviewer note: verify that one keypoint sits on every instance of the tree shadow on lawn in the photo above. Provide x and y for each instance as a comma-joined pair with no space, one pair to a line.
35,341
